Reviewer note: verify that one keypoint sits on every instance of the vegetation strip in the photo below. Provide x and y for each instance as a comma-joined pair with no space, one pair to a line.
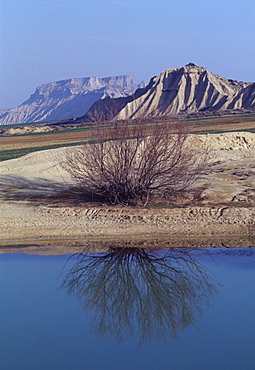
14,146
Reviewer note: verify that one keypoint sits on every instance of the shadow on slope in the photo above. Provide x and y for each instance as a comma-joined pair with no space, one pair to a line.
43,191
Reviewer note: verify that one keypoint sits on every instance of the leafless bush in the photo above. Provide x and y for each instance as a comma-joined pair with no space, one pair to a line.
151,292
135,161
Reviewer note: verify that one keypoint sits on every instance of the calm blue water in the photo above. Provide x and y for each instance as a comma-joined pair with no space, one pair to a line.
87,323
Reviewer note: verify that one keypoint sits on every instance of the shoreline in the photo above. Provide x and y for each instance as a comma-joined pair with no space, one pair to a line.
35,202
97,245
72,228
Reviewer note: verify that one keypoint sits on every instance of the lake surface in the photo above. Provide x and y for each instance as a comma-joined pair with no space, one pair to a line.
129,309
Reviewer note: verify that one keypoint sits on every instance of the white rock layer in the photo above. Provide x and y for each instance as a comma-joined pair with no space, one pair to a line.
67,98
188,89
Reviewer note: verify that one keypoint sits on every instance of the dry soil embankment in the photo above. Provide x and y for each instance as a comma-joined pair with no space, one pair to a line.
226,208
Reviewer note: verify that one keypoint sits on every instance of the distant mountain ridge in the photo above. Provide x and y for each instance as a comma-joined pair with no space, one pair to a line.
68,98
186,90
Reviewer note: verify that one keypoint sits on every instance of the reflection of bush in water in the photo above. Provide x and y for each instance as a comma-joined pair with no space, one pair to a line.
150,290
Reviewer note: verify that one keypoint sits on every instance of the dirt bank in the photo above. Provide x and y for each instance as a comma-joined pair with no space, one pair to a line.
26,222
226,205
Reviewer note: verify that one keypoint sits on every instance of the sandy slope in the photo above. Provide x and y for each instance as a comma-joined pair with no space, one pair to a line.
227,207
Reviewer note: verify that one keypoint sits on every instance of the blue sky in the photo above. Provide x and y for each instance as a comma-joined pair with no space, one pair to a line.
49,40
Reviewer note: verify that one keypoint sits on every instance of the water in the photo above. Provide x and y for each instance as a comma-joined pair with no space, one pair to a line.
128,310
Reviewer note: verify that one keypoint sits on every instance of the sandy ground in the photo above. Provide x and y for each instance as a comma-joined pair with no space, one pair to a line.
226,209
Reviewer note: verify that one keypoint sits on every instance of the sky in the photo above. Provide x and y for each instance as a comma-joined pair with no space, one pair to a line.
50,40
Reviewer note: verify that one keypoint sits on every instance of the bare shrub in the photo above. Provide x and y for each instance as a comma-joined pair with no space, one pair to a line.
145,291
135,161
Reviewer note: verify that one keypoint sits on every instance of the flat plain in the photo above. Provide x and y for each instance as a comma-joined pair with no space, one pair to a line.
37,208
25,138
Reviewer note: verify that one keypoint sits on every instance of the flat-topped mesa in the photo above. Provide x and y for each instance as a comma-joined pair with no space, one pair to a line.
67,98
186,90
189,89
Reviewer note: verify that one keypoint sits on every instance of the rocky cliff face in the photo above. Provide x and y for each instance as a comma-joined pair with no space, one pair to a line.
67,98
187,90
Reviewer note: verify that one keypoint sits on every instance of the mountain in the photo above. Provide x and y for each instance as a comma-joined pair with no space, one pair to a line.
67,98
185,90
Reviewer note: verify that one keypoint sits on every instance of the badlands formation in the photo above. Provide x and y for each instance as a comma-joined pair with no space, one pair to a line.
187,90
35,210
68,98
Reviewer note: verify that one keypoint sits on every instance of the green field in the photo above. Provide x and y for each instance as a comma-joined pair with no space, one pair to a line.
14,146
